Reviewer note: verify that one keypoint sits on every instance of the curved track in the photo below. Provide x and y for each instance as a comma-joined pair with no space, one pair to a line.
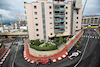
90,59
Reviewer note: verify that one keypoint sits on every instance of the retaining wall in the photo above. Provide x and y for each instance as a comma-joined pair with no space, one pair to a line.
43,53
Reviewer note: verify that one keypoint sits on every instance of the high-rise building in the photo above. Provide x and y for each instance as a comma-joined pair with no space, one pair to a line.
47,19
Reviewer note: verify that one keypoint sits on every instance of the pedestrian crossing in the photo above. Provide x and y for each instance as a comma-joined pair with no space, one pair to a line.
91,36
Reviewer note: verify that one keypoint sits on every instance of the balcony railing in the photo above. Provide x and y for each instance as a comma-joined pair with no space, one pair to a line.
59,15
58,21
59,31
59,4
59,9
60,26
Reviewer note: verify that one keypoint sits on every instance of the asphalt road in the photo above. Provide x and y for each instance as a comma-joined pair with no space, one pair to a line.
90,58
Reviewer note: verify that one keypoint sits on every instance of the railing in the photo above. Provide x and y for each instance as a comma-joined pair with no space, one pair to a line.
59,31
73,40
59,4
58,21
57,15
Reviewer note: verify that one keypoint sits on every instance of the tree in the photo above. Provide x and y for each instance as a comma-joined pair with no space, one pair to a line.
31,41
36,42
25,30
42,41
64,40
61,39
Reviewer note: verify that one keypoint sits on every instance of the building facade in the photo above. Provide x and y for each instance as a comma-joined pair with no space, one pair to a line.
47,19
18,24
90,20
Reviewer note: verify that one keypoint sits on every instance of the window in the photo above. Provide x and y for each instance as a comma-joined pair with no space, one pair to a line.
36,18
66,27
36,24
50,28
50,33
50,23
77,22
35,7
66,22
50,17
37,34
66,7
76,26
37,29
66,17
66,12
77,17
49,7
35,13
50,12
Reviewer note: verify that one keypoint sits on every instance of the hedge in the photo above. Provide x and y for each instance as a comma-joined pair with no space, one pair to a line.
1,44
48,48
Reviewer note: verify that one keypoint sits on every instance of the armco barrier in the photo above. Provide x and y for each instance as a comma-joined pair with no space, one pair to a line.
74,40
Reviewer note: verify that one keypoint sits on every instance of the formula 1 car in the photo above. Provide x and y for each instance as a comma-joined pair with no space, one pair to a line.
74,54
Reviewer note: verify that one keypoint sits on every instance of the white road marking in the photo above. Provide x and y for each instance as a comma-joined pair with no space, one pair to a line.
82,54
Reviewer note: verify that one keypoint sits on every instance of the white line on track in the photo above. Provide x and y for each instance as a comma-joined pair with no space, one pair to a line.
82,54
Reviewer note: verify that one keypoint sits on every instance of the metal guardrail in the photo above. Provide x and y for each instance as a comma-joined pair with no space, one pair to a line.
74,41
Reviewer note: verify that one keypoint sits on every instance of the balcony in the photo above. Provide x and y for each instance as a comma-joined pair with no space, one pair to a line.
44,34
59,9
43,24
60,26
59,4
59,21
43,13
44,30
59,15
43,18
59,31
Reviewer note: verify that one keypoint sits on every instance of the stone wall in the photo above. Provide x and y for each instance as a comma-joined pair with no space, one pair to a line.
43,53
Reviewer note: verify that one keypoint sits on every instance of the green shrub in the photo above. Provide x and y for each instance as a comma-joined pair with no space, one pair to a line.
58,43
64,40
25,30
36,42
1,44
44,45
42,41
47,48
31,41
61,39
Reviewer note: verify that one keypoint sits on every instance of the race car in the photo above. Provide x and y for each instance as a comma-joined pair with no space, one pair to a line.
74,54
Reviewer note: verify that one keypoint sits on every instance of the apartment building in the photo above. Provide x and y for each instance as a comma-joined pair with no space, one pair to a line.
18,24
47,19
90,20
